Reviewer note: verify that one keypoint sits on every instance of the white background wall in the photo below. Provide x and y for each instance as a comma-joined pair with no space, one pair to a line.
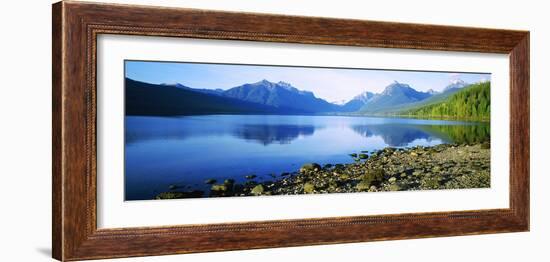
25,147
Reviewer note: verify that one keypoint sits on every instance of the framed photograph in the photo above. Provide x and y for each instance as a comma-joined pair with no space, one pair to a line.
183,130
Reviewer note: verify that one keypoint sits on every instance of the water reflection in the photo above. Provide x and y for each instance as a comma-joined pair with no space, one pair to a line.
270,134
395,135
161,150
467,133
139,129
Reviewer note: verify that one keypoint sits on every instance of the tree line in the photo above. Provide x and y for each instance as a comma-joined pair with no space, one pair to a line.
473,102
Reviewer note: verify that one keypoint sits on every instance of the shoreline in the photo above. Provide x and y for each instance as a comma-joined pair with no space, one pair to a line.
444,166
434,118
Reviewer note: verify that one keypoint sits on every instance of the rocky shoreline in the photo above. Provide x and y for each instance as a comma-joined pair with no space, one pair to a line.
445,166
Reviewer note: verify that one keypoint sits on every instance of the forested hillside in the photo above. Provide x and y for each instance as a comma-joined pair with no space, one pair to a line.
473,102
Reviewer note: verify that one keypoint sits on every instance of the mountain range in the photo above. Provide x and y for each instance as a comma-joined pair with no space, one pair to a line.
272,98
280,95
393,95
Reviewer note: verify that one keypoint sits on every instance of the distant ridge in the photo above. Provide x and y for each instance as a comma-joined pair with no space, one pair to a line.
434,98
280,95
393,95
266,97
357,102
150,99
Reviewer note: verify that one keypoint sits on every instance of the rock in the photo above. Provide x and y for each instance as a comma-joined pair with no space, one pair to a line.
172,187
219,188
250,176
309,188
388,170
430,183
310,167
373,176
257,190
414,154
353,155
210,181
363,156
363,186
389,150
178,195
229,181
344,176
321,185
394,187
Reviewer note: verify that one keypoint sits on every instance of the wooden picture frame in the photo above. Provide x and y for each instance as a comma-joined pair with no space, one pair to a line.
76,26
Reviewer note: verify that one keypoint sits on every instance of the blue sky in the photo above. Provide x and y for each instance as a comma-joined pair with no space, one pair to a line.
330,84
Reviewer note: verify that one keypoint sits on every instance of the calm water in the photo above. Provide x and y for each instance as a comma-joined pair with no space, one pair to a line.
185,151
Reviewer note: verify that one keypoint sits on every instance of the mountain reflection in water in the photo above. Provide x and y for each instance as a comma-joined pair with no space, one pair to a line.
191,149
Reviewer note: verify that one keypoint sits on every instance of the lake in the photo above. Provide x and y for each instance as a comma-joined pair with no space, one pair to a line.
185,151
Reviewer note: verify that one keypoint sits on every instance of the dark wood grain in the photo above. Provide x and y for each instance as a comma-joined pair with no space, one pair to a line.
76,26
57,198
519,129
